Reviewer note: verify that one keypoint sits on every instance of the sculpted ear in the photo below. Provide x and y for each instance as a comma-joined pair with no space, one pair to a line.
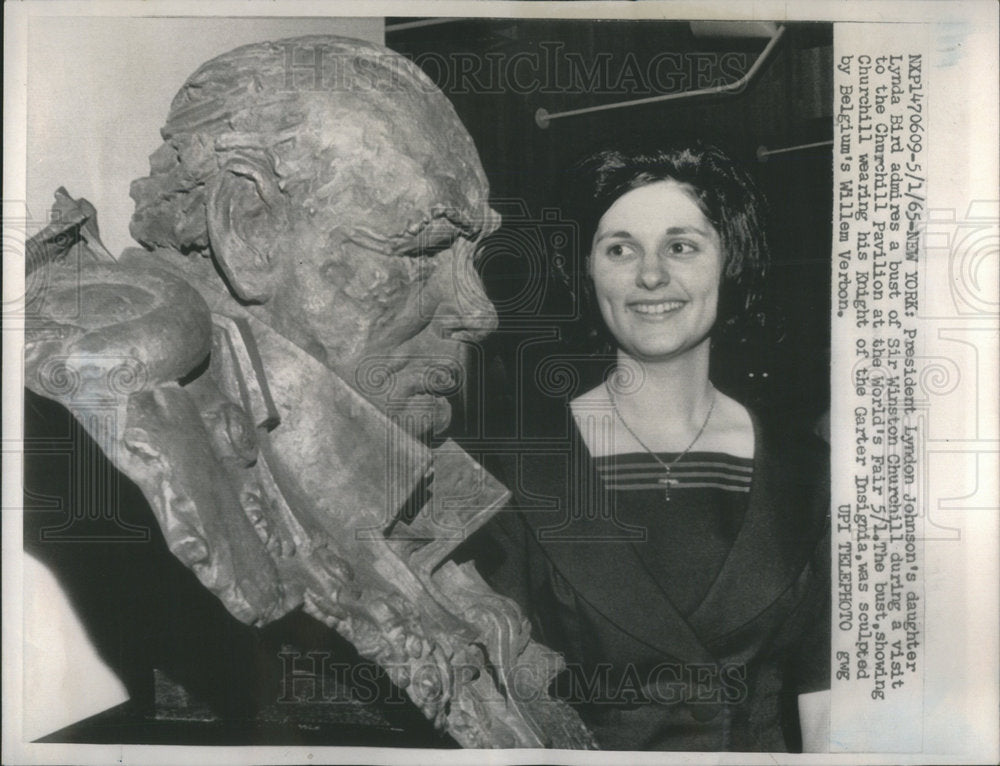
245,215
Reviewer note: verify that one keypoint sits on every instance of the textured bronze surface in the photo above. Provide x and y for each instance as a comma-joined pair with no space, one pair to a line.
265,369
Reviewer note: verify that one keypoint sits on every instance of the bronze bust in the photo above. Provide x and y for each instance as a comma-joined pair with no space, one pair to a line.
267,366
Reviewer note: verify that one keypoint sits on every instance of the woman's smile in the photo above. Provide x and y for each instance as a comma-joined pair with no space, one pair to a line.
656,310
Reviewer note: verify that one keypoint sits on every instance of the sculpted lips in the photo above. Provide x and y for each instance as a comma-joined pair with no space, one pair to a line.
433,375
655,308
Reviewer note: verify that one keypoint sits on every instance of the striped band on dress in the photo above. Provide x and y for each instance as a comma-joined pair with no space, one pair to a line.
696,470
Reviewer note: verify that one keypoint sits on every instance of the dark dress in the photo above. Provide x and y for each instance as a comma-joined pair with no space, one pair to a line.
691,624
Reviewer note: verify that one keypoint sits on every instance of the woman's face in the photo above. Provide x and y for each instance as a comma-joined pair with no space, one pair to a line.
657,263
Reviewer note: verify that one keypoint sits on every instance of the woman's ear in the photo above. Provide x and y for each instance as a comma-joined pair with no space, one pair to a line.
246,212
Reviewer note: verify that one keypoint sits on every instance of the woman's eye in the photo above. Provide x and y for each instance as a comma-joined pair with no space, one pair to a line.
617,250
682,248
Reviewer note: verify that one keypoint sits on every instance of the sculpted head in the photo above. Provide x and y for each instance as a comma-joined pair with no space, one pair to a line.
331,181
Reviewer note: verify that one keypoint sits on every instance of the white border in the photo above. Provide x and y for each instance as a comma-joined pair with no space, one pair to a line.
982,139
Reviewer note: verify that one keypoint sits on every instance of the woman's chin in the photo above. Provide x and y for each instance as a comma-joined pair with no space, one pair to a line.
652,353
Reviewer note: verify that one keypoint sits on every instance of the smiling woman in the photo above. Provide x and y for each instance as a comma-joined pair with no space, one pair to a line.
657,286
682,572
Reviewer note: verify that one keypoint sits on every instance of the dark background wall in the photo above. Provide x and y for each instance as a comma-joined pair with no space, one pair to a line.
499,72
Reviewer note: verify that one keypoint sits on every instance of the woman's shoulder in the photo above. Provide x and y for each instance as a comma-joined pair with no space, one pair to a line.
730,430
770,434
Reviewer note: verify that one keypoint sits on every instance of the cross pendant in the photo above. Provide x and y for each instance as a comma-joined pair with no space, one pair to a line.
667,483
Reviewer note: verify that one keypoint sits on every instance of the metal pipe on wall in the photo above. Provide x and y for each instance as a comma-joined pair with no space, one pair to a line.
763,152
543,117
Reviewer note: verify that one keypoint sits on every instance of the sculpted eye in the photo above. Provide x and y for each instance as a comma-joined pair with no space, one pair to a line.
431,241
427,251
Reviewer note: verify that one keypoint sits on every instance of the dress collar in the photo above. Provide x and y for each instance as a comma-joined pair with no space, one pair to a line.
779,532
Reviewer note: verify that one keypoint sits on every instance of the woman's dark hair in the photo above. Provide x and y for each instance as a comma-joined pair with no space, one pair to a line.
724,191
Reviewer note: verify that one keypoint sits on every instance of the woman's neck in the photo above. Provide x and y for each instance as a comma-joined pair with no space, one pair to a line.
676,393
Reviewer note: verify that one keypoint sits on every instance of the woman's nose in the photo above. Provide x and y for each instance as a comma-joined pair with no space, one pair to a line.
653,271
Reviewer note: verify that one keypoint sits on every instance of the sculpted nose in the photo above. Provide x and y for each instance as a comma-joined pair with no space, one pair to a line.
465,312
477,325
470,319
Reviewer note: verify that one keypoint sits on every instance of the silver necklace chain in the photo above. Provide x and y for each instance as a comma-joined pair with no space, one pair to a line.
666,481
